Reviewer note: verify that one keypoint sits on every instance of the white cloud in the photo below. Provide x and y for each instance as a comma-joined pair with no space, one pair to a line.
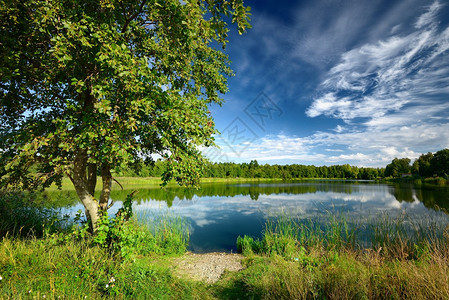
330,104
428,17
374,147
358,157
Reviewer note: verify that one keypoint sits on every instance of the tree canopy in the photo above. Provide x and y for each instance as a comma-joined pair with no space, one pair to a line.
426,165
398,167
89,86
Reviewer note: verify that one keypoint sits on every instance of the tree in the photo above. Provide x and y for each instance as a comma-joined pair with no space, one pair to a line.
397,167
440,162
422,165
90,86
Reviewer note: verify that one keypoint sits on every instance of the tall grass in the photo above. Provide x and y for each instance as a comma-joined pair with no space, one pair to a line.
45,269
170,233
399,237
23,216
294,259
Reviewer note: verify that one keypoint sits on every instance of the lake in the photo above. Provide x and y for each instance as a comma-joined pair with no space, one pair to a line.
218,213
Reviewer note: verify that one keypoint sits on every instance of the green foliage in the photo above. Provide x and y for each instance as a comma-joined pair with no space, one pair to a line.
440,163
116,80
423,165
124,236
398,167
288,172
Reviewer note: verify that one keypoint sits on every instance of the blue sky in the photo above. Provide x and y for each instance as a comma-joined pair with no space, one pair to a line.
335,82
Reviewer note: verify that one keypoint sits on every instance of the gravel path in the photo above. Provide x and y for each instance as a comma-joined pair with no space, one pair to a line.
207,267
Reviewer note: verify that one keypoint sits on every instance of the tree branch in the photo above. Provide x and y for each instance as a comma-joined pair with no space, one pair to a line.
133,16
121,186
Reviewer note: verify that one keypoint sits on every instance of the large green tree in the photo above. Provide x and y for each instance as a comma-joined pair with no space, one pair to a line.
423,165
440,162
398,167
87,86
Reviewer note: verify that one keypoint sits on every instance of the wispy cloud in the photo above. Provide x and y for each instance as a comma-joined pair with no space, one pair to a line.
428,17
379,79
374,148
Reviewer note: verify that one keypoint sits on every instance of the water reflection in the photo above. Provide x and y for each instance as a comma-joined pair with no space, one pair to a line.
218,213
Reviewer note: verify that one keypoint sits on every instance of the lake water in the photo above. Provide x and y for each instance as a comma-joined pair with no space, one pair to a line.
218,213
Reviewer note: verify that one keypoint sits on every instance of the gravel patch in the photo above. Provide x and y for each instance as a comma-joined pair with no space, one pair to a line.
207,267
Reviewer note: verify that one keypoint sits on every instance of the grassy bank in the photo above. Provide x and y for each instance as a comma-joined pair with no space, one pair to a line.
302,261
44,268
63,261
418,180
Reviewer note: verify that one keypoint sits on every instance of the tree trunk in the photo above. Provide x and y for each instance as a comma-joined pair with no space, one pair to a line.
84,176
91,178
107,184
85,188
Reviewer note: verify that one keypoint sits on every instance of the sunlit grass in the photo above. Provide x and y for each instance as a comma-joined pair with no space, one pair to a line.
129,183
65,266
42,268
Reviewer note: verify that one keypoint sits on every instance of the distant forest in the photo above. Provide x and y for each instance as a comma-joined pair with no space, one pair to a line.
427,165
256,170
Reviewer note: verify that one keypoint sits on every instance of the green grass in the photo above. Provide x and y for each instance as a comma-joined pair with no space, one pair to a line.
341,275
297,260
71,266
130,183
169,234
34,269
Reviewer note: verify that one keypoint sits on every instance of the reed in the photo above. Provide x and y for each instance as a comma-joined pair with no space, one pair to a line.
405,259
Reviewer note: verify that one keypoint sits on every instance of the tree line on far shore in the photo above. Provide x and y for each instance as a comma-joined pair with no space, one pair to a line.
255,170
427,165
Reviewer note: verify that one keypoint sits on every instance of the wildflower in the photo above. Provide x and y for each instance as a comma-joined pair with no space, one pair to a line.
2,278
112,280
107,285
